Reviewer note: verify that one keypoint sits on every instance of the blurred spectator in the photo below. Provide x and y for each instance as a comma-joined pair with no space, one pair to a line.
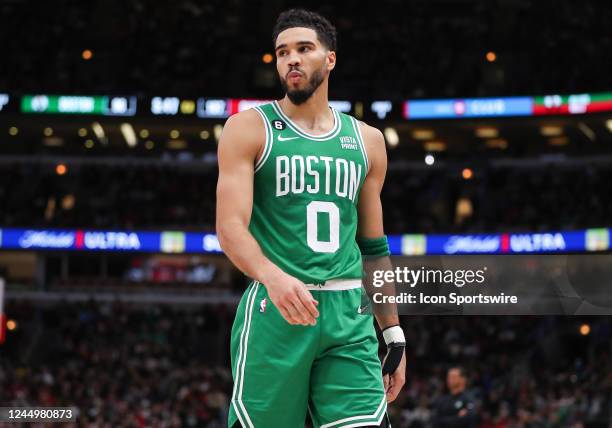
388,49
125,365
457,409
501,199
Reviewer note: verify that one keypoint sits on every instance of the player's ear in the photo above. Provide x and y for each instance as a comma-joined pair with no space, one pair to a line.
331,60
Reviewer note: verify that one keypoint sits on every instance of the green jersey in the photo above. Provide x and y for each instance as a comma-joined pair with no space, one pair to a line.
306,189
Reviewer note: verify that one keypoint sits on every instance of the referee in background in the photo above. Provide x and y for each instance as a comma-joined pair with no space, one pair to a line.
456,409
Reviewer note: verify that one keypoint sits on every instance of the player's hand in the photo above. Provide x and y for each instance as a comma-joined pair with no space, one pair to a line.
394,363
293,300
394,382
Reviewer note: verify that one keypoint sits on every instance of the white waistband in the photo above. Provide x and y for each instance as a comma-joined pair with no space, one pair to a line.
336,285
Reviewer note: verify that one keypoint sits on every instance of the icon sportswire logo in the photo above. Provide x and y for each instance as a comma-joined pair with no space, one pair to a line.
281,138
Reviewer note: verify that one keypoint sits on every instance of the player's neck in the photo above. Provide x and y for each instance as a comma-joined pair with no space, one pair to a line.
314,114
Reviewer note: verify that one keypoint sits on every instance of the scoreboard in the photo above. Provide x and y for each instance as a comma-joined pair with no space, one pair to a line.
76,104
572,104
221,108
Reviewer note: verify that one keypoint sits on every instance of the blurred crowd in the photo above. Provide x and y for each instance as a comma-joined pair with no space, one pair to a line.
522,372
121,365
124,365
437,200
389,49
126,197
522,199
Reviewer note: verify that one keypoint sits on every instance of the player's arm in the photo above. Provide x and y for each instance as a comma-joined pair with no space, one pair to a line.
240,145
374,247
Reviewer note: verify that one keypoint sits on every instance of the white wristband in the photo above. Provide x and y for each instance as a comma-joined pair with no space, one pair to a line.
394,334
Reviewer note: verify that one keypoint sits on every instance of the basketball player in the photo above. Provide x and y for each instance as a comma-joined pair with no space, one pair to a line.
298,204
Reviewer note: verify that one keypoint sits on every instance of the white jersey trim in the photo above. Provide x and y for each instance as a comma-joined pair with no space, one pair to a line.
361,143
269,140
332,133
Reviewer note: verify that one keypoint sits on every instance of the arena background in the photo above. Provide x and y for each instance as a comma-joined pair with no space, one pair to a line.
117,300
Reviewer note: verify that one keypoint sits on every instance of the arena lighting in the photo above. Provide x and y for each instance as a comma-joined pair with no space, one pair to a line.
487,132
98,131
11,325
551,130
176,144
50,208
82,132
13,130
430,159
267,58
61,169
127,130
204,135
423,134
187,106
391,137
87,54
149,145
609,124
144,133
585,329
464,209
174,134
434,146
586,130
497,143
68,202
558,141
217,130
89,144
491,56
467,173
358,109
47,132
53,141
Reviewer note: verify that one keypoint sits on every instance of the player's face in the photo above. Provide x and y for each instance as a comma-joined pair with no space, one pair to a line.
303,63
454,380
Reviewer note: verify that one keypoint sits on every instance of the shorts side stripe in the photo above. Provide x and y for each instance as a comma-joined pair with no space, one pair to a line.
361,420
242,354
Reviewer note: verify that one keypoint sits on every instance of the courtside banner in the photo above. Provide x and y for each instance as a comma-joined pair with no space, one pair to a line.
534,284
506,243
81,240
112,241
590,240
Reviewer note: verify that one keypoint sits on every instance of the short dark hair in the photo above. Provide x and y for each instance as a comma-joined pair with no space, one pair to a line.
326,32
461,369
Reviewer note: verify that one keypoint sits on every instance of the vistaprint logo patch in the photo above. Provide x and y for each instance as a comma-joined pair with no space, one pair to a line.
348,143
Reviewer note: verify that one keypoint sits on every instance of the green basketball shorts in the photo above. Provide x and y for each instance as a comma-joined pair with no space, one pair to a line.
331,370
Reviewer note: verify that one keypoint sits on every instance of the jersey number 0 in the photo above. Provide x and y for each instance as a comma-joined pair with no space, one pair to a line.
312,226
